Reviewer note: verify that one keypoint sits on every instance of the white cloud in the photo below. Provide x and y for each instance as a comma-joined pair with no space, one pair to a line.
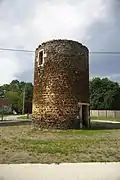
63,20
8,68
25,24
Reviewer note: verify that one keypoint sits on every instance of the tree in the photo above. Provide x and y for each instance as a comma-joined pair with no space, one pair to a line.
14,93
1,92
104,94
28,97
112,100
15,100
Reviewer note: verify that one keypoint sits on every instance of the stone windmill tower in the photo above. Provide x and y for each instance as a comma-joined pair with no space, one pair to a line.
61,85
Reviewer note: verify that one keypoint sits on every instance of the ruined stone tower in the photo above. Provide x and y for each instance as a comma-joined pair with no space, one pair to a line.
61,85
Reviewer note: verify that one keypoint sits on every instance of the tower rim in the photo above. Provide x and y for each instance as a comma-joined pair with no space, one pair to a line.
62,40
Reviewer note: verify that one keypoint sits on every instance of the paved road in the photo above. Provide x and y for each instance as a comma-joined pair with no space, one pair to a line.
104,124
106,121
13,121
11,117
68,171
15,117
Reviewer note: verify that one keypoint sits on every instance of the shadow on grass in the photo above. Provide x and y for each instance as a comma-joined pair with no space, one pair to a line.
104,125
15,123
93,126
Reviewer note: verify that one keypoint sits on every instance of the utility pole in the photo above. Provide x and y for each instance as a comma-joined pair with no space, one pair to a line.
23,108
2,115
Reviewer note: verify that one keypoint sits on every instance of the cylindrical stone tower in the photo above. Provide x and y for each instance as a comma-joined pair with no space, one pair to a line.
61,85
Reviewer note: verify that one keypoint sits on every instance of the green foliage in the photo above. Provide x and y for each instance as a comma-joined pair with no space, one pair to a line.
1,92
15,98
104,94
14,93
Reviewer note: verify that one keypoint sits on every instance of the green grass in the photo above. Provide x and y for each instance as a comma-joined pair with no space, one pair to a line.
25,144
105,118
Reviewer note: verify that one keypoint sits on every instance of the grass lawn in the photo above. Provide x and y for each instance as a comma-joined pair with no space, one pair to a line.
104,118
25,144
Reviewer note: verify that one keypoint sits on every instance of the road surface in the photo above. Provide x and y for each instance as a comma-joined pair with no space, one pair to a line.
11,117
106,121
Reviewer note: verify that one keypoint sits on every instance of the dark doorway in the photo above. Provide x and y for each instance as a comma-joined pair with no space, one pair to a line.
85,115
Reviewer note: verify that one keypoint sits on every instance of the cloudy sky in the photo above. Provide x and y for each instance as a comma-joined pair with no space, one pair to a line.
24,24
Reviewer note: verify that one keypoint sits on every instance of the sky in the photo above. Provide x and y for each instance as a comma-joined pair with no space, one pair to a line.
24,24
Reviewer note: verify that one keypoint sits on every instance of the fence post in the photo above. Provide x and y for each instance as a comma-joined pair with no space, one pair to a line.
106,113
80,115
98,113
90,112
114,114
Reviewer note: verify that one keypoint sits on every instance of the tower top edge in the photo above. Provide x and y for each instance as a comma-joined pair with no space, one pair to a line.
68,41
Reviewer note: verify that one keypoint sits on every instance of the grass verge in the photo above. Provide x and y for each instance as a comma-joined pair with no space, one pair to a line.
25,144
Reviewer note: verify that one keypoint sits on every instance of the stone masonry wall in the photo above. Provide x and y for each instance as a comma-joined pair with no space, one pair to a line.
60,84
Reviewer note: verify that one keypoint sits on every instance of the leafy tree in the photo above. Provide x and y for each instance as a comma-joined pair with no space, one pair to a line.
14,93
104,94
1,92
